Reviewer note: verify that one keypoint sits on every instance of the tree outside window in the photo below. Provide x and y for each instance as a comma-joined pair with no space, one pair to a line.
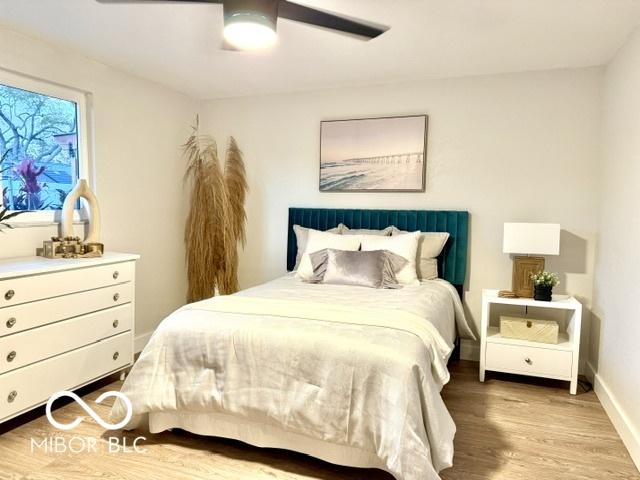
38,149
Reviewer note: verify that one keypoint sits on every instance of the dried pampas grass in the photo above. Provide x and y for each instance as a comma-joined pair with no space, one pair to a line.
234,176
216,221
236,187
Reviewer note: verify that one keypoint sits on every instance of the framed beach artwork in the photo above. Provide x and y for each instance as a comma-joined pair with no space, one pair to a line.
385,154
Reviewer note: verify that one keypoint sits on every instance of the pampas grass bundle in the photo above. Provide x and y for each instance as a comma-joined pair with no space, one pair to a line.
236,187
216,221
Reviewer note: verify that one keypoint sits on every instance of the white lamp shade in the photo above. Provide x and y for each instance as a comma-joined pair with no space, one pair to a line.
532,238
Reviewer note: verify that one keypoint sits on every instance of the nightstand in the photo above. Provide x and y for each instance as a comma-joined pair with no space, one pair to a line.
558,361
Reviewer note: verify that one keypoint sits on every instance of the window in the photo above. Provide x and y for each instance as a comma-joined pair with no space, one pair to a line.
42,145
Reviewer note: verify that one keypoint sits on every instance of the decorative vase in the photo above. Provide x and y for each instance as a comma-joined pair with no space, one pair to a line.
542,293
83,190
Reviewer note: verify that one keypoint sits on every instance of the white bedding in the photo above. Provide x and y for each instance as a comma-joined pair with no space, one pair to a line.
436,300
348,374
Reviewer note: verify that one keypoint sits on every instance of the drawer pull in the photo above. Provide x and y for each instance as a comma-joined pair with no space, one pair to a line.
116,297
116,274
9,295
116,323
528,361
116,355
11,356
11,322
12,396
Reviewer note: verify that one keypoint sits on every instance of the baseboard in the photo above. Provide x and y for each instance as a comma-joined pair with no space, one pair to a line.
469,350
141,341
627,431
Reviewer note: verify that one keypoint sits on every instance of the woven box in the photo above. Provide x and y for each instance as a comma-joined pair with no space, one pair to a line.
531,329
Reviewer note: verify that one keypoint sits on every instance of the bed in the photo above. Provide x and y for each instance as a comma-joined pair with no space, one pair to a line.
347,374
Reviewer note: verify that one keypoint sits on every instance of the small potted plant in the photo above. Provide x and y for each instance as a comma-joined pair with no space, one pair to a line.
543,283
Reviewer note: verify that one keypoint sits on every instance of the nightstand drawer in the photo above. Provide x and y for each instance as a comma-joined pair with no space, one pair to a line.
528,360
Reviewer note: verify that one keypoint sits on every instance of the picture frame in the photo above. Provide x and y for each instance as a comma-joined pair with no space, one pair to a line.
374,154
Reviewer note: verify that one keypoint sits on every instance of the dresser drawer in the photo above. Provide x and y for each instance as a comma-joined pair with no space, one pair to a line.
19,290
38,344
529,360
36,314
29,386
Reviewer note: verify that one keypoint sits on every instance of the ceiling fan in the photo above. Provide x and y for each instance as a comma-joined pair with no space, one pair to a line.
251,24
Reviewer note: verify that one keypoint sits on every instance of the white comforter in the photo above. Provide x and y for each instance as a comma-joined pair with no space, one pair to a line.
351,367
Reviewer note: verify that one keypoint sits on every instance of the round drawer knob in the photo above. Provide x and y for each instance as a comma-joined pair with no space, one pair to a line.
116,355
116,274
116,323
11,356
528,361
116,297
11,322
9,295
12,396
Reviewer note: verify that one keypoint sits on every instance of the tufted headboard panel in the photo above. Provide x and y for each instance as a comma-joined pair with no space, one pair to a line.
452,262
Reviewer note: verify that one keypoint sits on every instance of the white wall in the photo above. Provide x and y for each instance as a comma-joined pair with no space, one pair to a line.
615,353
520,147
139,128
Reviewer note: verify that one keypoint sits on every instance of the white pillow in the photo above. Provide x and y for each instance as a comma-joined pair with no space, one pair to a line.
430,246
405,245
316,241
301,240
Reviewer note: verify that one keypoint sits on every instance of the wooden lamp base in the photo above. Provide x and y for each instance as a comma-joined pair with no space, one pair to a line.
523,268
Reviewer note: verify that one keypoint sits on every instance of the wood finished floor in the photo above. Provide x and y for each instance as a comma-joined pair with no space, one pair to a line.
507,430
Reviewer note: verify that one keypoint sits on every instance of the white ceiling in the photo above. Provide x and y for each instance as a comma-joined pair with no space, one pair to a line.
178,45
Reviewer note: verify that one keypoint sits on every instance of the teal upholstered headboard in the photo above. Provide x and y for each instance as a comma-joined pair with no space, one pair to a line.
452,262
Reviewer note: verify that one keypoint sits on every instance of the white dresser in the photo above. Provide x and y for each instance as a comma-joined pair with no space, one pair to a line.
63,323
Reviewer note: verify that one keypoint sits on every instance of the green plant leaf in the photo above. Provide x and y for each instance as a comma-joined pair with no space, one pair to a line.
4,216
14,214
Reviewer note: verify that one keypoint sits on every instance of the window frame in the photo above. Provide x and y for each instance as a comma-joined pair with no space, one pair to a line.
85,162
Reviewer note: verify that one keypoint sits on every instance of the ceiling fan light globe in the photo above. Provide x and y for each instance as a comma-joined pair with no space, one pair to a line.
249,32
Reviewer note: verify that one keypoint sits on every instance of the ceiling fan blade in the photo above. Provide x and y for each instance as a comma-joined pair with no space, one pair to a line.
159,1
300,13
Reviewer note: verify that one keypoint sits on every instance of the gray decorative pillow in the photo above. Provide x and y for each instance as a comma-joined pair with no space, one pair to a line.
302,234
373,269
385,232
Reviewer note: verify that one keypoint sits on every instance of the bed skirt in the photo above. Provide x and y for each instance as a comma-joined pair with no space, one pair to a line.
262,435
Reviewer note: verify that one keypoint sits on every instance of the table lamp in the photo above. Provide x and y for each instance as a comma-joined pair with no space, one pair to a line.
525,240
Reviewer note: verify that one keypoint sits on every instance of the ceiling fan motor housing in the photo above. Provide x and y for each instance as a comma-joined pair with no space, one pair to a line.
264,12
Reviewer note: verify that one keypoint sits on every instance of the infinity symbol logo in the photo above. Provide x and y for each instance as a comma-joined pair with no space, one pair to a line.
89,410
